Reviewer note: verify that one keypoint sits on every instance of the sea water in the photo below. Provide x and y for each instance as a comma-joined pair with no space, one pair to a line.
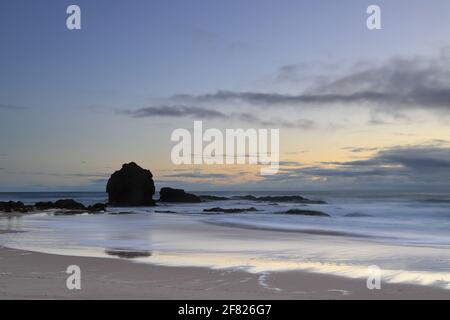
405,234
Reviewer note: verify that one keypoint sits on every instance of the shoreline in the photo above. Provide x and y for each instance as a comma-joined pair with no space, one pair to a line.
32,275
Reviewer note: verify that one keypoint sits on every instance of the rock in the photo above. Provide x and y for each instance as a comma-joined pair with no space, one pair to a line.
164,211
68,207
44,205
12,206
126,254
177,195
295,199
122,212
98,207
131,186
233,210
68,212
67,204
306,213
249,198
213,198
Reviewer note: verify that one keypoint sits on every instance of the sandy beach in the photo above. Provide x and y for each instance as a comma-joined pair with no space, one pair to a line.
30,275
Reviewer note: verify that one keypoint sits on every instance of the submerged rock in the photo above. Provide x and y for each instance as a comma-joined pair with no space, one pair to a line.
177,195
306,213
123,212
248,197
232,210
357,215
294,199
98,207
213,198
131,186
128,254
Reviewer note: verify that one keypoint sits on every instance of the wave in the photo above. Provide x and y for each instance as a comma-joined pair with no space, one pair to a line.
281,229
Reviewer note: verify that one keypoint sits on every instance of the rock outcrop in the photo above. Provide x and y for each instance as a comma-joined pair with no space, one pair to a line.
12,206
131,186
230,210
70,206
293,199
302,212
67,204
177,195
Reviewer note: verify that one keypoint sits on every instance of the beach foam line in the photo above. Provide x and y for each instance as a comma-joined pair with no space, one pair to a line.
262,265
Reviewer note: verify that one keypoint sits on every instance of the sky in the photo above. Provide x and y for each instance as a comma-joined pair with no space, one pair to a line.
356,108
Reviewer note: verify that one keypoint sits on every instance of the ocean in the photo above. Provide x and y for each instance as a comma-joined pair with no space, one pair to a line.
405,234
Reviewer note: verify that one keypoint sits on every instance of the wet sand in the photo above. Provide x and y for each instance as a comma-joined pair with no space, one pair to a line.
30,275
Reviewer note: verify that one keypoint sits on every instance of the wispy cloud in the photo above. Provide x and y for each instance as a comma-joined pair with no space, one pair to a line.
10,107
197,175
182,111
178,111
359,149
55,174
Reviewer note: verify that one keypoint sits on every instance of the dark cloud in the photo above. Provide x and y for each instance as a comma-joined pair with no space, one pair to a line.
178,111
420,82
419,166
277,99
182,111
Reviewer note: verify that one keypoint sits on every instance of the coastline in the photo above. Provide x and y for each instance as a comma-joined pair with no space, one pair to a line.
32,275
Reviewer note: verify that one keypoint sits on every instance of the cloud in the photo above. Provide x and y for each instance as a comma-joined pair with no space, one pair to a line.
399,82
289,163
418,166
419,159
178,111
70,175
182,111
279,99
359,149
10,107
297,124
197,175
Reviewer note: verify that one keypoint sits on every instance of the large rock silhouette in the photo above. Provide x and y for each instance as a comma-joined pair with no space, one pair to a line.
131,186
